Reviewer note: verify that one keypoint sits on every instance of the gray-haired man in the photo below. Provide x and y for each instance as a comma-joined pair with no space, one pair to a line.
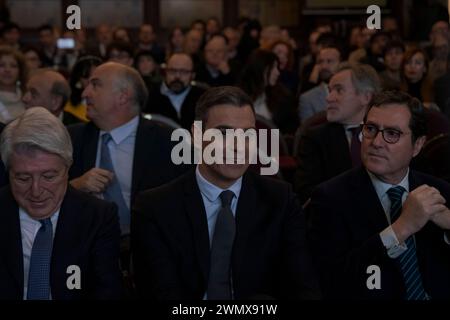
56,242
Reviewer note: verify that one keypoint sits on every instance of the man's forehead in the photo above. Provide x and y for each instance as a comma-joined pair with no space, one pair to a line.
393,114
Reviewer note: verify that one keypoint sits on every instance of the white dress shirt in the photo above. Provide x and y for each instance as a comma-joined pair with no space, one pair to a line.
29,228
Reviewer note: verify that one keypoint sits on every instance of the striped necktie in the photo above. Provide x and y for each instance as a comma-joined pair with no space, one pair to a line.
408,260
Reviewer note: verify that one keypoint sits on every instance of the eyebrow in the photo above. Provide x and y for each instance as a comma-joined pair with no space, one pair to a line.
378,126
228,127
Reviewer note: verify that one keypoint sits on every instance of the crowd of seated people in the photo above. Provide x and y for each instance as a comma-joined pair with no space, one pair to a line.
95,121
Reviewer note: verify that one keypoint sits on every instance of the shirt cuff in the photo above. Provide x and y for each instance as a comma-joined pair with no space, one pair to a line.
447,237
393,246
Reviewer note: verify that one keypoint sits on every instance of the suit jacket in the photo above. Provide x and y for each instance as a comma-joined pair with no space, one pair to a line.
346,218
202,75
69,119
87,235
3,180
170,242
312,102
160,104
323,153
152,164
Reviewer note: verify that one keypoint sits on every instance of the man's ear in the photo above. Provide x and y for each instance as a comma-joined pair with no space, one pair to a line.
418,145
366,97
56,103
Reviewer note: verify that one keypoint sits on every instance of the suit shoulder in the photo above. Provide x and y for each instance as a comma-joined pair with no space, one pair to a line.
439,184
164,193
88,200
269,187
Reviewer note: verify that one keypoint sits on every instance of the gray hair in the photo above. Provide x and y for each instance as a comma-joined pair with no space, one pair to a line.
130,78
364,77
36,129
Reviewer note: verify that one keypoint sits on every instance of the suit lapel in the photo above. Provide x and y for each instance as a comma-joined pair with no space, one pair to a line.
11,240
141,158
338,145
66,241
90,147
368,205
195,209
246,217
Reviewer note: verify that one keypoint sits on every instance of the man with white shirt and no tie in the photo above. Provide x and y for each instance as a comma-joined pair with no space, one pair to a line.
49,230
384,214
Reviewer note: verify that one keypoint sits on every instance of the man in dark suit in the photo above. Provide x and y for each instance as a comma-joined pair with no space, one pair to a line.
221,232
332,148
55,242
49,89
176,97
216,70
382,231
3,179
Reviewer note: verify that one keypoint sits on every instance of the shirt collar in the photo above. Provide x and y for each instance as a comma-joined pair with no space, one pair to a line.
169,93
124,131
211,191
25,217
382,187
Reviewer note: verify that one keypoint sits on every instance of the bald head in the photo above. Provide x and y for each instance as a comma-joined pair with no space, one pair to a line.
48,89
115,94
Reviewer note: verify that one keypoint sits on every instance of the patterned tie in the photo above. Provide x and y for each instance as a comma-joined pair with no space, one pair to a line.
219,284
113,192
355,146
39,272
408,260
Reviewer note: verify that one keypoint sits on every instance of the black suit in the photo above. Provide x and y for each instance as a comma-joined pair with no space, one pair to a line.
346,218
323,153
3,179
203,75
69,119
170,242
152,164
87,235
160,104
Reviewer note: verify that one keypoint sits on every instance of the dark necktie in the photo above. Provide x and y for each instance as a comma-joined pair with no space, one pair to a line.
219,284
39,272
113,192
408,260
355,146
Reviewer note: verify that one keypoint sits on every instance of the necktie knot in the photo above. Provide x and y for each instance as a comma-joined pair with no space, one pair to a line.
46,223
395,193
226,197
106,138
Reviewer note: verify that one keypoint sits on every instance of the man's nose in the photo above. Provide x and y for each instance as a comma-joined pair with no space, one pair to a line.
35,188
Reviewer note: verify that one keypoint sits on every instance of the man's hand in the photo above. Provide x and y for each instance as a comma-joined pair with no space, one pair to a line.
442,219
224,67
94,181
421,205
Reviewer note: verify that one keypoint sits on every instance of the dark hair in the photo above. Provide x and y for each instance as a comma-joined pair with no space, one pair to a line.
81,69
417,123
45,27
219,96
253,75
394,44
413,51
218,35
8,27
120,46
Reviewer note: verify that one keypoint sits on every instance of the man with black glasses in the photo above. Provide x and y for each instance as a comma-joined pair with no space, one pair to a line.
176,97
382,231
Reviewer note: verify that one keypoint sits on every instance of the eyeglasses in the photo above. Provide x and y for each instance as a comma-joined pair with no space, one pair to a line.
390,135
182,72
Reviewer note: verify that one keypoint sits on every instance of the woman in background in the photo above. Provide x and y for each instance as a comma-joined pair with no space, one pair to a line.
79,79
13,77
272,101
